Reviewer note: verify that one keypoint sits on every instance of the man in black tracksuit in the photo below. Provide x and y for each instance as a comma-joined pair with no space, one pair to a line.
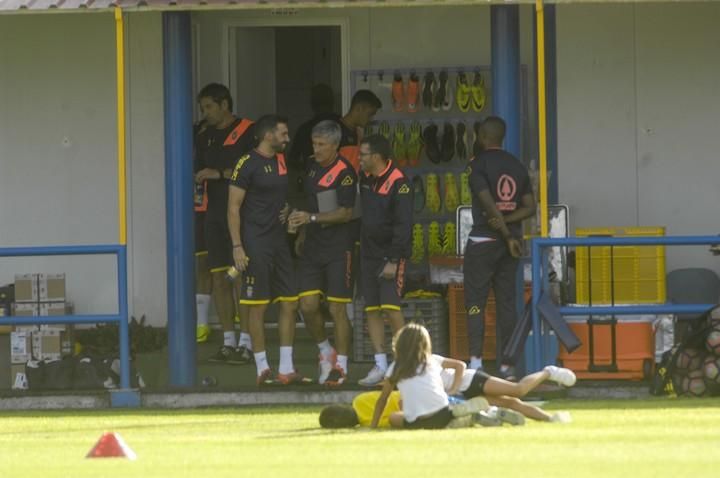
219,145
325,247
502,198
387,216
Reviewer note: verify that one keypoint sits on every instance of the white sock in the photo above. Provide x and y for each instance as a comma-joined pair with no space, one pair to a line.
286,360
325,348
342,361
475,362
381,361
261,362
245,340
202,305
229,339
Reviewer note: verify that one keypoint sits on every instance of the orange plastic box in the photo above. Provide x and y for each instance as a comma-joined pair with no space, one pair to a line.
634,342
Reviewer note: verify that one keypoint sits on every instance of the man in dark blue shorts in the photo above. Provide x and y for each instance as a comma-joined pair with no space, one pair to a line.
387,217
325,247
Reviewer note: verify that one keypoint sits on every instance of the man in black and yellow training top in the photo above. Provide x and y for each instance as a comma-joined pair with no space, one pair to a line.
257,200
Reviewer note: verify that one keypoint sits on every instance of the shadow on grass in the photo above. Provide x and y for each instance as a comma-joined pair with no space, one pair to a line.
635,404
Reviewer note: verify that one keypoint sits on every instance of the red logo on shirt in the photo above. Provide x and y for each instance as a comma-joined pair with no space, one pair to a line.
506,189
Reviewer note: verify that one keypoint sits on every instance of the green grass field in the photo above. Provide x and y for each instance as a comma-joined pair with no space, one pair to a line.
620,438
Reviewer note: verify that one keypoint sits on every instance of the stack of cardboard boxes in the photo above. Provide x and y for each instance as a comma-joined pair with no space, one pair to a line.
38,295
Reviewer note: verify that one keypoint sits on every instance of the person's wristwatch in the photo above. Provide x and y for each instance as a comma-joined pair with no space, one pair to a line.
313,218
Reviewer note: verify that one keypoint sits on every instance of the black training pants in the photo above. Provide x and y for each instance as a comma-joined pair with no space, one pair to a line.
489,264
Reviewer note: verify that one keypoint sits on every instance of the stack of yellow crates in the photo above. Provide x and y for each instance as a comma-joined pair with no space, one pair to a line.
628,275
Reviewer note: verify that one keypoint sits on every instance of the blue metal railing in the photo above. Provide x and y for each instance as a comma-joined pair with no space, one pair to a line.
540,280
121,318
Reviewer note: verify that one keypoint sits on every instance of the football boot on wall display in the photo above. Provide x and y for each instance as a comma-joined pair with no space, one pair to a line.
418,244
414,144
429,90
461,141
418,193
463,96
448,142
398,93
434,246
413,93
398,144
448,239
477,145
465,194
384,129
451,193
430,138
441,93
432,193
477,90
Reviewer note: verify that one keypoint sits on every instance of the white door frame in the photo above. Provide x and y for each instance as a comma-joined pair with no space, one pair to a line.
227,46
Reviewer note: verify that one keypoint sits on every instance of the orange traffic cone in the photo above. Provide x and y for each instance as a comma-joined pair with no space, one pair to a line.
111,445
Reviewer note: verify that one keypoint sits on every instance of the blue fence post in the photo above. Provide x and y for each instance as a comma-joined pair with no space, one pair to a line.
123,312
177,63
536,291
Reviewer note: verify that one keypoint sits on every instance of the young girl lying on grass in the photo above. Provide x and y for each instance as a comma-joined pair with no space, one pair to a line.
418,375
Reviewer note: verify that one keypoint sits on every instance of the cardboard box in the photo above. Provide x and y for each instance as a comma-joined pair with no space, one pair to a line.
4,329
18,379
27,288
20,347
52,308
26,328
51,287
27,309
51,344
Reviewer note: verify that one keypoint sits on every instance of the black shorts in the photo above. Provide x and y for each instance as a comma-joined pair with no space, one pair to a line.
219,245
385,294
331,276
437,420
477,385
270,275
200,247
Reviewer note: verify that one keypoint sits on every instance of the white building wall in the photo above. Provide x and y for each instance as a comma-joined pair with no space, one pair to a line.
638,134
637,119
58,170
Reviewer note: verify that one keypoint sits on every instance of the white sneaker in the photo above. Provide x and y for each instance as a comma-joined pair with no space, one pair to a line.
510,416
373,378
563,376
469,407
325,366
561,417
461,422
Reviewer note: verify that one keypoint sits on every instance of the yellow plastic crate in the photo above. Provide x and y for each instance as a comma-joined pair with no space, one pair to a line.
639,271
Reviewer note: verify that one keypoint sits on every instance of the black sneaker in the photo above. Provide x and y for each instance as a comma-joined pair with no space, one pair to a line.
223,355
441,92
460,145
429,90
432,149
419,193
448,142
477,146
507,373
241,356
